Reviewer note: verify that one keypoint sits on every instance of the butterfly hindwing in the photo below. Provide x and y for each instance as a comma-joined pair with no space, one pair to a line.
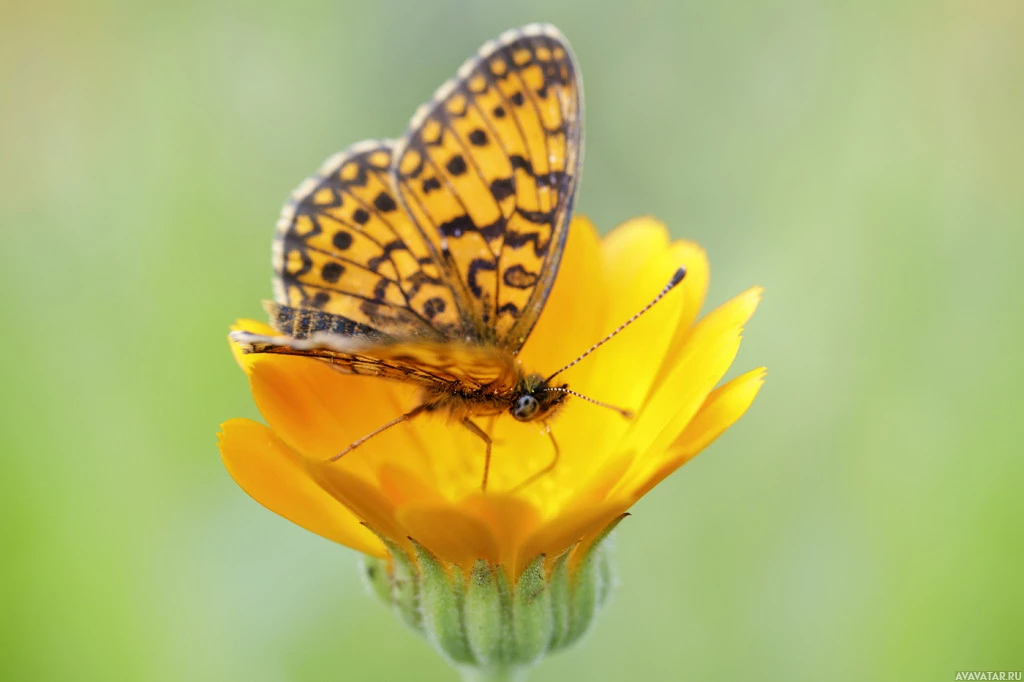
346,247
447,367
489,170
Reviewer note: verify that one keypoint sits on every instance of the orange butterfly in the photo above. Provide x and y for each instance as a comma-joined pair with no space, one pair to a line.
429,259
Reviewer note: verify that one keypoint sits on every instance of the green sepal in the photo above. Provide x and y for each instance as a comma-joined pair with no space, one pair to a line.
375,578
561,600
505,594
587,592
606,572
483,623
404,595
440,608
484,614
532,621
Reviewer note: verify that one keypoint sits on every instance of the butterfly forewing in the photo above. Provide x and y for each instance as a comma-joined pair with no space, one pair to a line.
489,170
429,259
346,247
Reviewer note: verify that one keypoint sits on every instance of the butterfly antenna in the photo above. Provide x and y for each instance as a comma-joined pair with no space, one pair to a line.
676,279
560,389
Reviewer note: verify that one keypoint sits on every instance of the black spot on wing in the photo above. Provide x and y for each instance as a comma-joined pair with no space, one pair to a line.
332,271
380,290
458,226
557,179
515,240
478,138
477,266
494,230
519,277
456,165
433,307
384,203
503,188
320,299
342,240
537,217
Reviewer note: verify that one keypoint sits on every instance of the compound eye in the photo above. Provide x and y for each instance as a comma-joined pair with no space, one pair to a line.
526,406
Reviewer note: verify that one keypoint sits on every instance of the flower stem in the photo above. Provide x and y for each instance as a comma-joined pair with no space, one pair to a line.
510,674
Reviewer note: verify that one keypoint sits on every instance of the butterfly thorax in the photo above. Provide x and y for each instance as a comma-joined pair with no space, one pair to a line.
528,398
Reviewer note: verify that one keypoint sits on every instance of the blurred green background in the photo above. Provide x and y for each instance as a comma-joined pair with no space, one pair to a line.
862,161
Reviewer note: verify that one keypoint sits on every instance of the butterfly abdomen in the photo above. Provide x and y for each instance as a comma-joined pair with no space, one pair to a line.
459,405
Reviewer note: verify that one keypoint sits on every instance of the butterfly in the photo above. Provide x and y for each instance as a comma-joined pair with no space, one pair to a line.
428,259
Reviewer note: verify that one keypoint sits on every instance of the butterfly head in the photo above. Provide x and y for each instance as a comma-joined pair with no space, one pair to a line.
534,399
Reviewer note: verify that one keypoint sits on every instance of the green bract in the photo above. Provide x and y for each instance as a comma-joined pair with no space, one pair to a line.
486,621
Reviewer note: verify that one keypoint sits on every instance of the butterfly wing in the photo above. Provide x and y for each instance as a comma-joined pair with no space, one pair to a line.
345,247
444,367
489,170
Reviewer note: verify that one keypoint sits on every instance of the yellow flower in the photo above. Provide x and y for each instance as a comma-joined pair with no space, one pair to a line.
422,479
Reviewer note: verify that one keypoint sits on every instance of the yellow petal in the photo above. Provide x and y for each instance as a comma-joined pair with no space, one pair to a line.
421,478
569,527
362,497
693,289
319,412
724,406
511,521
708,353
451,534
274,476
634,240
638,265
694,286
574,313
401,485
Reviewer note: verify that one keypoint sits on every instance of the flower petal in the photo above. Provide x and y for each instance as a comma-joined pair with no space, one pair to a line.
724,406
573,315
638,264
402,485
569,527
708,353
695,285
421,479
450,533
362,497
511,520
275,477
722,409
319,412
694,289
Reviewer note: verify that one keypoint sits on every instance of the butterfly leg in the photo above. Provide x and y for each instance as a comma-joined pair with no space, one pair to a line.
394,422
487,457
551,465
